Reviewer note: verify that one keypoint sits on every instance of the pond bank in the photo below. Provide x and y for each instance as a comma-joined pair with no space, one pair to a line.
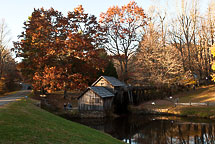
194,103
180,110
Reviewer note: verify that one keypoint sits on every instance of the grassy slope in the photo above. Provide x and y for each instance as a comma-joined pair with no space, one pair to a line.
202,94
206,112
23,122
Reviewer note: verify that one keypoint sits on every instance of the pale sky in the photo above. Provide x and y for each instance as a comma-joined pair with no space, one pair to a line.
15,12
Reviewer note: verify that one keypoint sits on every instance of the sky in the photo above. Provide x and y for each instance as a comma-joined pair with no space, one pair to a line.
15,12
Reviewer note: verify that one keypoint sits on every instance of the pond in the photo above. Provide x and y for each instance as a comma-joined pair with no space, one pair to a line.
149,129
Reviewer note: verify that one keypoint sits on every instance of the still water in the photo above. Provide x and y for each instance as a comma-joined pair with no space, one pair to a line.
156,130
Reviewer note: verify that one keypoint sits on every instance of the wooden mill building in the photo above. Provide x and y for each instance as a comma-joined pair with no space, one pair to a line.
99,97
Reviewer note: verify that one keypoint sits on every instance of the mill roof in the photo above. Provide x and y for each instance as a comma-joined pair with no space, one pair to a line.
112,80
101,91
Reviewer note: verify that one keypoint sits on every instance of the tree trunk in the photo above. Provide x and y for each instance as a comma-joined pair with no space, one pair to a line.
121,69
126,71
43,90
65,91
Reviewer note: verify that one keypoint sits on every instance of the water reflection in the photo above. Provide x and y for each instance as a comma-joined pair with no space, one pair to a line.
156,130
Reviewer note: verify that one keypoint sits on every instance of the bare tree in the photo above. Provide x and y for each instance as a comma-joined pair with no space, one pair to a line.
8,71
180,43
156,63
5,55
184,35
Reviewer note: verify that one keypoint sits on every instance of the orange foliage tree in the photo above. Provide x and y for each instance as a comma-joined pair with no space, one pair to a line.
60,52
124,27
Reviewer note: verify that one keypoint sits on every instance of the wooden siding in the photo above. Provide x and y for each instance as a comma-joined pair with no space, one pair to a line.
104,83
90,101
108,103
91,98
86,107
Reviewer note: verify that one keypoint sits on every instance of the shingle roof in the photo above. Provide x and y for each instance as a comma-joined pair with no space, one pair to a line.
101,91
112,80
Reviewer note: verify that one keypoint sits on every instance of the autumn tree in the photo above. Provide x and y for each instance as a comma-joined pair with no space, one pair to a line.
213,64
124,27
155,63
175,48
60,52
38,41
206,39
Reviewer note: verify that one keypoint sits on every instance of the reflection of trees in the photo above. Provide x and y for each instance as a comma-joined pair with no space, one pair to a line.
140,131
165,132
144,130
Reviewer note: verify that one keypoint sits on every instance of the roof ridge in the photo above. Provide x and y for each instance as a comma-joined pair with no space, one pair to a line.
112,80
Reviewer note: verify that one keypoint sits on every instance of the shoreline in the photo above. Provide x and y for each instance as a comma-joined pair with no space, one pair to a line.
179,111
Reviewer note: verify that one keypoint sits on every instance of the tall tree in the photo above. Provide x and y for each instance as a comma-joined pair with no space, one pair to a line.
154,63
5,55
8,71
213,64
60,52
184,36
39,41
124,27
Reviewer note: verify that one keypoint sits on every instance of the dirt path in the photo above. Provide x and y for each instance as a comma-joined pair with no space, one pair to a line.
14,97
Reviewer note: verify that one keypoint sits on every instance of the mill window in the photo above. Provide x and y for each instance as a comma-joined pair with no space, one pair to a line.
97,100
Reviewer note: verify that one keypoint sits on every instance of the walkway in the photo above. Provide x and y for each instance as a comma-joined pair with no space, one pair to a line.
14,97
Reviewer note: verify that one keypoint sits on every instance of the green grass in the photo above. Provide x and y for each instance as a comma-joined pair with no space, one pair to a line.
23,122
202,94
205,112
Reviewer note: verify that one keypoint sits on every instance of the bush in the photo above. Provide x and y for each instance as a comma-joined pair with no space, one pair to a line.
8,86
12,86
3,88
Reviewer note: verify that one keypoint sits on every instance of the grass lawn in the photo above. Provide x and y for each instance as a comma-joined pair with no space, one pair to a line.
23,122
199,111
202,94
